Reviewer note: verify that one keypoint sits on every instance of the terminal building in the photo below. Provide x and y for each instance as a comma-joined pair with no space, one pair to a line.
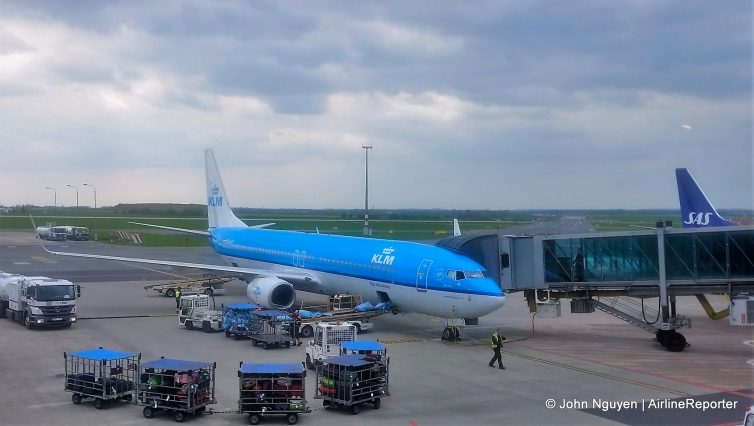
617,272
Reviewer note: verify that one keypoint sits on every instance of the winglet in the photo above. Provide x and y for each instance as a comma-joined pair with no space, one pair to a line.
456,228
696,210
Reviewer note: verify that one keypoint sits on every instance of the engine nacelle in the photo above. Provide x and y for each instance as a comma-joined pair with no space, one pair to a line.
271,292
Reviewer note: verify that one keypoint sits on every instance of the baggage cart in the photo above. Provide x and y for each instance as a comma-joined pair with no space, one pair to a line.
348,381
102,374
268,328
371,349
272,389
237,318
177,386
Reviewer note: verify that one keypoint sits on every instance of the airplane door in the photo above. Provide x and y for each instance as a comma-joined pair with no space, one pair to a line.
422,273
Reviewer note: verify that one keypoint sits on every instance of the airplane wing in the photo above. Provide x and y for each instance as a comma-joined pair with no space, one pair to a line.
188,231
290,276
192,231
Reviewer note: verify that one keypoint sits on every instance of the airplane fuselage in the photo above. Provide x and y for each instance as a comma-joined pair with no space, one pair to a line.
415,277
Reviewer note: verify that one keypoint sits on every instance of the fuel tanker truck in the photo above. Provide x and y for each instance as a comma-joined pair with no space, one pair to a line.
38,301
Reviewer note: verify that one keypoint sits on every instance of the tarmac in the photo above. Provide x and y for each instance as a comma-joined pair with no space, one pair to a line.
592,368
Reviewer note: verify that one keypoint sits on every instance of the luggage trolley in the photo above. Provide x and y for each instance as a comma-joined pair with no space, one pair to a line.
102,374
179,386
372,349
270,328
272,389
350,380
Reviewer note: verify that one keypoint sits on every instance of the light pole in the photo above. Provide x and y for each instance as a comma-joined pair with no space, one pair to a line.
55,195
94,228
77,194
366,188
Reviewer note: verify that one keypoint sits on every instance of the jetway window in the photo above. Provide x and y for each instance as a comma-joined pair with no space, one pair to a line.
601,259
741,252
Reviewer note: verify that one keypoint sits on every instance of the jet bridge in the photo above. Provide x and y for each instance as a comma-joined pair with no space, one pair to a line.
615,272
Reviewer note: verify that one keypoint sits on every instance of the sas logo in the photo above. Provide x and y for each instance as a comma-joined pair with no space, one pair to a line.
384,258
214,200
698,219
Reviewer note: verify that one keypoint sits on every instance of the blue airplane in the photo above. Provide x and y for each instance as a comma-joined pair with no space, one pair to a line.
696,210
408,276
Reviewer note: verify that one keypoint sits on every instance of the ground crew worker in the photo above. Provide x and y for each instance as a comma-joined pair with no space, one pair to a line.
497,344
295,324
177,299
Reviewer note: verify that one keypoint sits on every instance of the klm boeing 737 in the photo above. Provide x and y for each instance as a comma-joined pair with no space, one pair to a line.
696,210
411,277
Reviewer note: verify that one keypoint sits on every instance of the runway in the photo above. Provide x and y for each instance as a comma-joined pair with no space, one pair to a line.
575,359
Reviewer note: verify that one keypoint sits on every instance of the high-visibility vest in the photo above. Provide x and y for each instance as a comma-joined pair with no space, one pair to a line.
495,340
177,294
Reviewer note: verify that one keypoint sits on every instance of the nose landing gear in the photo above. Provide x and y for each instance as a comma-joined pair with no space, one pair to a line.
451,334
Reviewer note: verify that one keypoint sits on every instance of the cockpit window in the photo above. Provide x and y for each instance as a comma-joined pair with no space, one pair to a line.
456,275
474,274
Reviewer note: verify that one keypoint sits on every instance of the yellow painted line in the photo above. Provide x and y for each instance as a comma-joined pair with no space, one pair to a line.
44,259
395,341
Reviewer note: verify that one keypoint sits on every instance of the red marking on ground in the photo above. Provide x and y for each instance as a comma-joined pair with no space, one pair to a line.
412,423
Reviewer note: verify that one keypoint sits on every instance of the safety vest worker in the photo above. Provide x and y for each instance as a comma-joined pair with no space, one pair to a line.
177,299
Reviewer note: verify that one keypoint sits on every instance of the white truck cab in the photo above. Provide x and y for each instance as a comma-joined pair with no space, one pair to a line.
326,342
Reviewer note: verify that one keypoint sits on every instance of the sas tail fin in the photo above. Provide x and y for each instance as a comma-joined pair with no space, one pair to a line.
219,213
696,210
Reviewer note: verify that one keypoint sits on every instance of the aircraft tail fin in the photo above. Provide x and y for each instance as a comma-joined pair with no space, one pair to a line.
219,213
456,228
696,210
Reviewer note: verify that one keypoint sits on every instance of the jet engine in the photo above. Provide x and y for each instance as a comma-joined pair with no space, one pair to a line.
271,292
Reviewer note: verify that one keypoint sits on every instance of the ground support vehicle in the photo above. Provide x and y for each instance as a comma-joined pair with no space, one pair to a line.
52,232
348,381
371,349
267,328
38,301
102,374
341,307
76,233
177,386
328,337
196,314
236,319
209,286
272,389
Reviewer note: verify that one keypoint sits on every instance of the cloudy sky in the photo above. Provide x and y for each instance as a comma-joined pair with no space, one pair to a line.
486,104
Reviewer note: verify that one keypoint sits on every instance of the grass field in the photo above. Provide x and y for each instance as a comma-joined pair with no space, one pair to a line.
106,224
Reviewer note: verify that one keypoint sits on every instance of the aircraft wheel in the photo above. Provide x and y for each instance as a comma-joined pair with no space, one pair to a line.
456,333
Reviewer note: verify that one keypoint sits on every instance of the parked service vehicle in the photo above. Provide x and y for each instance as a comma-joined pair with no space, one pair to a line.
195,313
340,307
77,233
52,233
38,301
209,286
326,343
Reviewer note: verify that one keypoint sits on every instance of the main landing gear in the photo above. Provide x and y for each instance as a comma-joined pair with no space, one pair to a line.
451,334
